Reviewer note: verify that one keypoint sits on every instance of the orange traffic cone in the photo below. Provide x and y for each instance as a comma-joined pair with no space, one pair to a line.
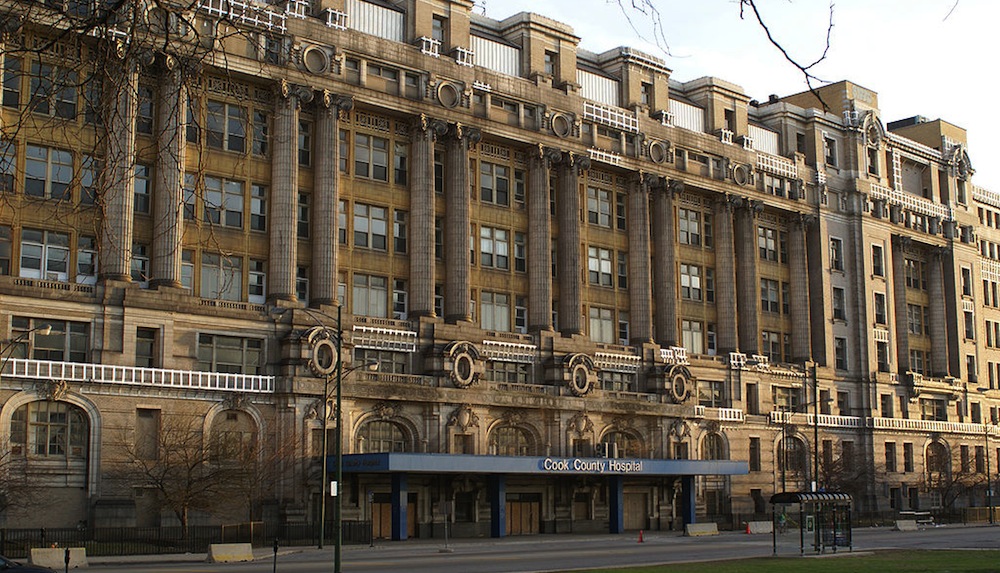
640,536
748,528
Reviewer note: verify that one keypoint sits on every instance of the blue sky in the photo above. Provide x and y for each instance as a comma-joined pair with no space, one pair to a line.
920,59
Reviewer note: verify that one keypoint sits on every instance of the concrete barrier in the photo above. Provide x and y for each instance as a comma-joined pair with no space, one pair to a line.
55,557
701,529
905,525
757,527
230,552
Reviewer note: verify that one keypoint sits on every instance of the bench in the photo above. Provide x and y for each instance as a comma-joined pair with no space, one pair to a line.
701,529
921,517
229,552
55,557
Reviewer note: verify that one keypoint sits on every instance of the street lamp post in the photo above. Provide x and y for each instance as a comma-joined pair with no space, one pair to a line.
811,372
326,361
989,481
10,345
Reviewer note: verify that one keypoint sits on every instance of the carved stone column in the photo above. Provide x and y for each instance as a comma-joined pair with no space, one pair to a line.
284,193
423,134
639,281
665,261
747,282
900,244
168,191
725,271
119,174
326,197
457,223
937,323
799,290
540,239
568,247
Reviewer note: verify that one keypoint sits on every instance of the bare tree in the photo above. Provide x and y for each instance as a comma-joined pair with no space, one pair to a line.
179,466
18,493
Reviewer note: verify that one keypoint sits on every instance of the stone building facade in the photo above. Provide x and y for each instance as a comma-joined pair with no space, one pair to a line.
549,252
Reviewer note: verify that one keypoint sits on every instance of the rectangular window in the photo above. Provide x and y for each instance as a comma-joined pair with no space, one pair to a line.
190,197
11,81
144,110
221,277
767,243
259,144
692,336
225,126
691,282
370,227
187,270
886,403
599,207
754,456
769,301
400,299
622,269
399,231
520,252
494,184
8,165
65,342
370,296
907,457
882,356
915,319
689,227
53,90
146,351
6,244
599,266
302,284
89,168
371,157
257,282
521,314
494,248
830,151
836,254
880,309
890,457
771,345
142,189
305,144
388,361
48,172
258,207
839,304
302,222
519,187
915,273
86,260
878,261
230,354
400,151
495,311
602,327
620,212
44,255
840,353
623,328
147,432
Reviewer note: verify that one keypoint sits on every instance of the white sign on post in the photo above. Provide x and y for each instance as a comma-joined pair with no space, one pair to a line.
333,489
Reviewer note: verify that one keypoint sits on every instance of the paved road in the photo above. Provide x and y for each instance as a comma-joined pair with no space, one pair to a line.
551,553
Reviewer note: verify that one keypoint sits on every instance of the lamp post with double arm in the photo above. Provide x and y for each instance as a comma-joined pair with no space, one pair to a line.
326,361
10,345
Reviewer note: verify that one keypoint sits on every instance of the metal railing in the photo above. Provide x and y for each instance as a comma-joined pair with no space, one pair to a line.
108,374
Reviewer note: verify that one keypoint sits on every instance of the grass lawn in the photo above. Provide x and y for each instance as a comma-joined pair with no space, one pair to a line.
983,561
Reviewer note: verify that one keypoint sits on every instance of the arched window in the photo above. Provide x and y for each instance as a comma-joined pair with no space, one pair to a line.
937,459
511,441
713,447
793,451
234,436
381,436
48,429
622,445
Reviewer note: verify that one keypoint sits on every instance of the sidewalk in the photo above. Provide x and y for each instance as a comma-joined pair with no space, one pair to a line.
414,544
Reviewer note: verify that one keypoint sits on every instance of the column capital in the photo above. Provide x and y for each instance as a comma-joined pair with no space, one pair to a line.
542,156
575,161
460,132
802,220
430,127
341,103
289,91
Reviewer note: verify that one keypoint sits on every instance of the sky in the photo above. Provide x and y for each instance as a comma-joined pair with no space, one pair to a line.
935,58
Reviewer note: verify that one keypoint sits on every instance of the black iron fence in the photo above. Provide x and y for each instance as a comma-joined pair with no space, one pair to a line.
16,543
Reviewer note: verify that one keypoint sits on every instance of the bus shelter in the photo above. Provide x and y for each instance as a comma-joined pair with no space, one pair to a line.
817,519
